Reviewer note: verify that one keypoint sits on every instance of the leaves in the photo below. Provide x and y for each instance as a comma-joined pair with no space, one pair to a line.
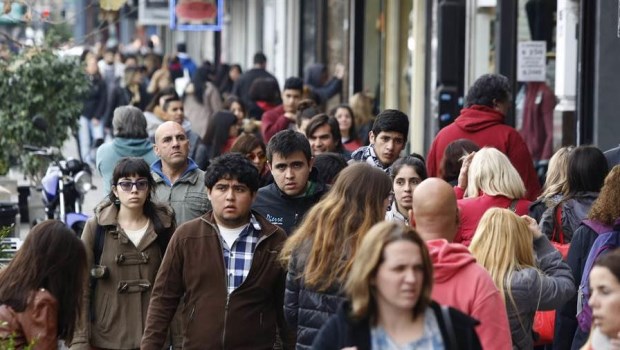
37,82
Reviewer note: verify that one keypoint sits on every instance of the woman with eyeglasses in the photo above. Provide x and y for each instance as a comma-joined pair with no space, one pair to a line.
407,173
125,243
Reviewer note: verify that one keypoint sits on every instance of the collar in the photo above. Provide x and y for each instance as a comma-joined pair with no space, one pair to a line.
157,169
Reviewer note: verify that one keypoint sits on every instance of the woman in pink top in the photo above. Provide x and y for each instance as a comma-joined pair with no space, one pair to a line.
490,181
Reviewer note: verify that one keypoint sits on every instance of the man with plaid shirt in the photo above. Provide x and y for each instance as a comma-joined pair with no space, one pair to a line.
224,265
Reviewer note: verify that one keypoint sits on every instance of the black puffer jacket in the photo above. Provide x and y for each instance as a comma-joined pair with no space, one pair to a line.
305,309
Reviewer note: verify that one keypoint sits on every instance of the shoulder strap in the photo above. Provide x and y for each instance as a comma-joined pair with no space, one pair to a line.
557,224
513,205
447,319
99,240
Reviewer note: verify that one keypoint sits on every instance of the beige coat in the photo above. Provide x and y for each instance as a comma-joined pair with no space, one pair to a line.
199,115
121,300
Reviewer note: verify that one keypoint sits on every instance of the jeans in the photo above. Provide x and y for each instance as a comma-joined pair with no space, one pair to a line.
87,134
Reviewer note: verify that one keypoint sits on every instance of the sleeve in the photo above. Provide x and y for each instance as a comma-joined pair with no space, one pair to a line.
82,329
286,332
100,112
565,320
328,90
40,322
490,310
431,161
328,336
271,123
520,157
291,295
556,285
167,291
202,156
213,99
546,222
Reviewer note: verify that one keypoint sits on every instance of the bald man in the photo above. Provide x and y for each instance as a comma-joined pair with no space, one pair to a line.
459,281
179,181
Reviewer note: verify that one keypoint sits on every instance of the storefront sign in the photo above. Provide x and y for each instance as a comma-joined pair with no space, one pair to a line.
531,60
196,15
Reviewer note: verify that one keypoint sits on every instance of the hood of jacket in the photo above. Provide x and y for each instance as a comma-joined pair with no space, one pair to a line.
133,147
448,258
314,74
477,117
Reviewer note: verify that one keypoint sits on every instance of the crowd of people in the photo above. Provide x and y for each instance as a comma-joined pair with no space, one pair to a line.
239,216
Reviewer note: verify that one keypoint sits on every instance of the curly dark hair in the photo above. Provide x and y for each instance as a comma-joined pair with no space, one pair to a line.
232,166
489,89
605,208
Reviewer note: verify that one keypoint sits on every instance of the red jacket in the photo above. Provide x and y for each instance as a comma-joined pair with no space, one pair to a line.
484,126
472,209
273,121
464,285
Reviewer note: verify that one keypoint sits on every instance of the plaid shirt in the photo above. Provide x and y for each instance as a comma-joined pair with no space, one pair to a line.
238,258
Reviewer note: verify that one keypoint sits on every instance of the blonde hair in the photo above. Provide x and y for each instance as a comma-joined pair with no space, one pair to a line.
503,244
366,264
491,172
361,105
557,179
334,226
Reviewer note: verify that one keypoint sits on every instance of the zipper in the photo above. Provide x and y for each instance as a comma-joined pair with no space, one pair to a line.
225,319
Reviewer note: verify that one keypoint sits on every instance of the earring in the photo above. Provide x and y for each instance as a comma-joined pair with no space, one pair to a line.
117,201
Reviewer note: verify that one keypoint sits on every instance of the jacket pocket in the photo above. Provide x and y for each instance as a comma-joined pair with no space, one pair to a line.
197,202
102,311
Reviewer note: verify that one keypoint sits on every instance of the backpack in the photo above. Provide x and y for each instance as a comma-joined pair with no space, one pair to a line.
603,244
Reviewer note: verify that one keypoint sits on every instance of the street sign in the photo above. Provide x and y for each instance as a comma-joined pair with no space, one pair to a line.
531,60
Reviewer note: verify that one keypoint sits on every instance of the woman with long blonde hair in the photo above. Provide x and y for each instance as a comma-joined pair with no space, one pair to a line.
556,183
389,302
319,254
525,267
491,181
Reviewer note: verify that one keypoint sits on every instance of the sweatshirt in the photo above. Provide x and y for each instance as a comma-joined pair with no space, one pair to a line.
485,127
463,284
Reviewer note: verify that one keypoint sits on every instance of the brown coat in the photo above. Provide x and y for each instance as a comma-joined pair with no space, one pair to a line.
121,300
194,267
37,325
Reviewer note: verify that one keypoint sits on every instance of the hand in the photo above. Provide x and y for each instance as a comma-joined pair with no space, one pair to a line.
532,225
463,174
339,71
290,116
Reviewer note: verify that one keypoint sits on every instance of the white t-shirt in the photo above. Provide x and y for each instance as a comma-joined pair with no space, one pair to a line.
136,235
230,235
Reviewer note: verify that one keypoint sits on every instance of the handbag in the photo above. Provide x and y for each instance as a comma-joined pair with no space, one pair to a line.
544,321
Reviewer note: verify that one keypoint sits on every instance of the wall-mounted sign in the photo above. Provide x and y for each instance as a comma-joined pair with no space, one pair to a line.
154,12
531,60
197,15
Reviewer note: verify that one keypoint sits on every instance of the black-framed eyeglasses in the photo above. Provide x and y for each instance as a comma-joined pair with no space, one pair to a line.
141,185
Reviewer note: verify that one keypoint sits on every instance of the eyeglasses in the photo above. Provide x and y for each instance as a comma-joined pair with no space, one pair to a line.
252,156
141,185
